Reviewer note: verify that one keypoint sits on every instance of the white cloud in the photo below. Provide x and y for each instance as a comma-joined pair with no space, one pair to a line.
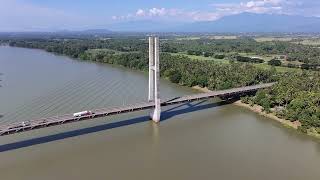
204,16
261,3
289,7
140,12
169,14
293,7
158,12
218,11
258,6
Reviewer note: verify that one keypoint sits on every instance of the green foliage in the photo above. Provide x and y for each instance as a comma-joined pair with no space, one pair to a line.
263,100
197,53
310,66
219,56
299,94
207,54
247,100
248,59
275,62
306,108
173,75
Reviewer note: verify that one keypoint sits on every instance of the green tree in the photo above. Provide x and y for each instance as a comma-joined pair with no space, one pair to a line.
275,62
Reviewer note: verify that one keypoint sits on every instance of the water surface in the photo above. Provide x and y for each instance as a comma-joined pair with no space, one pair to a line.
201,140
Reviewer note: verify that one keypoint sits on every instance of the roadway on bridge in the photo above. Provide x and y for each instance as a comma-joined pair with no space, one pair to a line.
68,118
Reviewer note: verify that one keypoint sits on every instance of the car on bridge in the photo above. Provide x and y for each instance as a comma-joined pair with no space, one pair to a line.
20,125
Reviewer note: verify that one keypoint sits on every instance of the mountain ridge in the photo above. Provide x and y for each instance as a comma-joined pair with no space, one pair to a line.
250,22
240,23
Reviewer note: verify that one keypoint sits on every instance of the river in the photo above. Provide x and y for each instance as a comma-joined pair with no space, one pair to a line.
201,140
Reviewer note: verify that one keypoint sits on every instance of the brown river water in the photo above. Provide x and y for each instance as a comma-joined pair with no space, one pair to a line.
200,140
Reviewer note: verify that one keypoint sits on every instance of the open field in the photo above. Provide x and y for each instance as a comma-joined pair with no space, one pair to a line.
278,68
264,57
223,37
266,39
202,58
94,51
188,38
269,57
208,37
262,65
311,42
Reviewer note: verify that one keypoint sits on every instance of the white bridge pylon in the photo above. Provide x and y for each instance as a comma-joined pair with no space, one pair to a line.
154,76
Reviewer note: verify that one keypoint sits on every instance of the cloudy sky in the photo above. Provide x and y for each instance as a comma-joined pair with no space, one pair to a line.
51,15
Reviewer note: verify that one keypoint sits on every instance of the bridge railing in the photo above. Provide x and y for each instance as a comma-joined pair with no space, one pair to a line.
45,122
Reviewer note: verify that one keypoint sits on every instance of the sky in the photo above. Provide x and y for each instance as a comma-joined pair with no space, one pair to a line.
53,15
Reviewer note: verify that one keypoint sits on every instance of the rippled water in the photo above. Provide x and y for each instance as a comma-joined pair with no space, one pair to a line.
201,140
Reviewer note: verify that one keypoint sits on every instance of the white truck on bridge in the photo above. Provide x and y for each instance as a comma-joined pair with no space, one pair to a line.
82,113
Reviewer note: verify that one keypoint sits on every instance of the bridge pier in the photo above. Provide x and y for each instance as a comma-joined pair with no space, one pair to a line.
154,76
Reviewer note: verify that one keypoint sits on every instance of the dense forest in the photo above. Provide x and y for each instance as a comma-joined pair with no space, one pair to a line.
296,96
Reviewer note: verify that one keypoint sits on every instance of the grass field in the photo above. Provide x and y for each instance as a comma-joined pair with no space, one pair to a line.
278,68
206,37
202,58
225,61
94,51
187,38
223,37
264,57
266,39
311,42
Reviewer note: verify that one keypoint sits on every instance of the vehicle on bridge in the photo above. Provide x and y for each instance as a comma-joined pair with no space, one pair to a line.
82,113
19,125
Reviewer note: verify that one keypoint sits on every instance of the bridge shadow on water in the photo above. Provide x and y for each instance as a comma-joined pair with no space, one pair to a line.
165,115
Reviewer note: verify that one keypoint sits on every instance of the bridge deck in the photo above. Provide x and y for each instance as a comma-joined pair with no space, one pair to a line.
68,118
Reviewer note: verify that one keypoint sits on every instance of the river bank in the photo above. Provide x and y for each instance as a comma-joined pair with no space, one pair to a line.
295,124
259,110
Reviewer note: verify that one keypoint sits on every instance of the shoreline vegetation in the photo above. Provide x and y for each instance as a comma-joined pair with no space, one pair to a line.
286,123
295,96
259,110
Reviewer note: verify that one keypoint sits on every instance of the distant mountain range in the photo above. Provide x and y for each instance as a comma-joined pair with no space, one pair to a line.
248,22
144,26
240,23
88,31
245,22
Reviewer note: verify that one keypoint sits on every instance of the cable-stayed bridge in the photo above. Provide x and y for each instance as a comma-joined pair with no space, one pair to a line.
154,101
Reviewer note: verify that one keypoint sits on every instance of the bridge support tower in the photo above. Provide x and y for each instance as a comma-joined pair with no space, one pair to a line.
154,76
